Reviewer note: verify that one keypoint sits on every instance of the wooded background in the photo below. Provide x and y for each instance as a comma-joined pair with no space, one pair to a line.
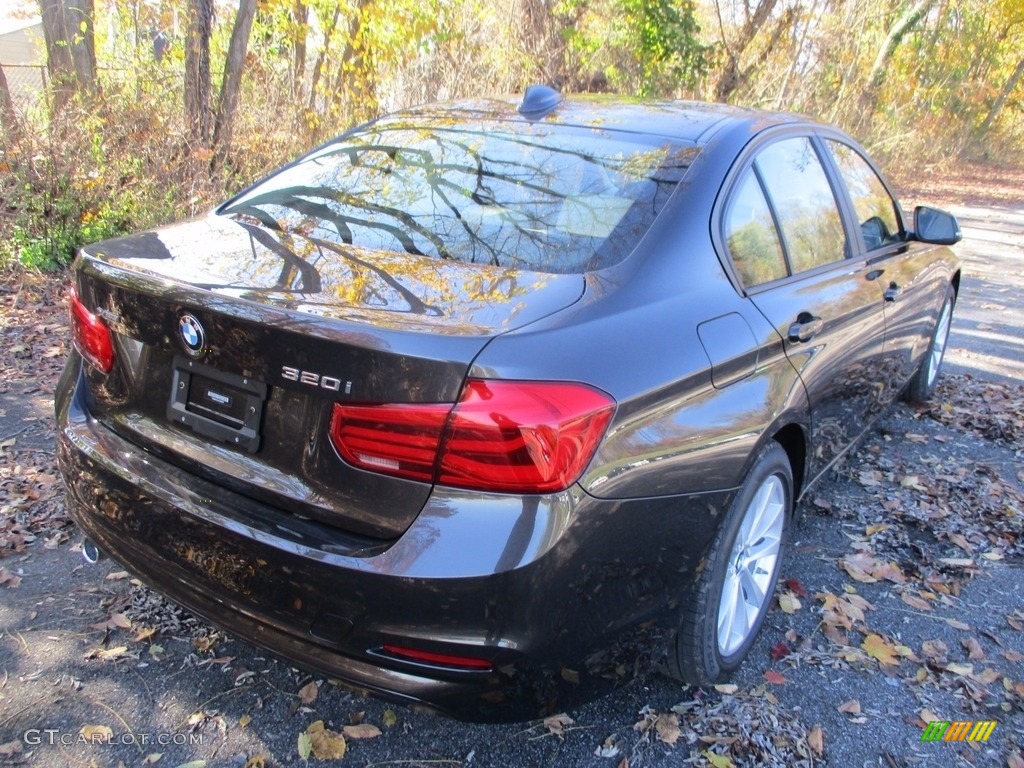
157,109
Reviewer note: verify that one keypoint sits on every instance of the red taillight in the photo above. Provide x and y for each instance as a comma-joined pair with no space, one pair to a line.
91,335
522,437
397,440
505,436
441,659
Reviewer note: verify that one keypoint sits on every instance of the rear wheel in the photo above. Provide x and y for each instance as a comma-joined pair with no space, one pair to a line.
726,607
922,385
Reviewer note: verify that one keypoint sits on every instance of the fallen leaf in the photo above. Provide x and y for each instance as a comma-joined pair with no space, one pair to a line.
961,541
956,624
879,648
775,677
570,676
244,720
974,649
816,740
112,653
96,734
305,746
556,724
115,575
779,651
390,719
667,728
607,748
308,692
1013,656
912,482
256,761
727,688
152,757
361,731
718,761
934,649
851,707
114,621
144,633
325,744
915,602
959,669
789,603
794,586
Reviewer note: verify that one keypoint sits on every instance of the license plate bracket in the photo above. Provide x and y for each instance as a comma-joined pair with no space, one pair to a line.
222,406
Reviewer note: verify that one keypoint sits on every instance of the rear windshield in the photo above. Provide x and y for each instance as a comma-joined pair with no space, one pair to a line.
541,197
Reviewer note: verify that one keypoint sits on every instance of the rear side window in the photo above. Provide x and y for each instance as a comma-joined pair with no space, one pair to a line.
875,208
751,235
541,197
800,194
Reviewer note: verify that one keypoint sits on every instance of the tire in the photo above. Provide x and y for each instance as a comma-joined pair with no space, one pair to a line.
706,646
922,385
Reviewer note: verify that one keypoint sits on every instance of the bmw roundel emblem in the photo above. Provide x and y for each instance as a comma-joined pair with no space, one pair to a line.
192,335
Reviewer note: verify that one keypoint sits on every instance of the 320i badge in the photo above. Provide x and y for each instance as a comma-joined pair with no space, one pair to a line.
492,406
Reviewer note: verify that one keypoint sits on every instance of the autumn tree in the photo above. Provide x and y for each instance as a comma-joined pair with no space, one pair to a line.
197,72
70,48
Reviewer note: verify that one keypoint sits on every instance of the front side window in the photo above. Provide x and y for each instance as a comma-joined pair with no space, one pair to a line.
541,197
875,208
800,194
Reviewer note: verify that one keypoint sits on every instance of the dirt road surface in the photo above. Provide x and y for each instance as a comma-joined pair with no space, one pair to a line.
902,602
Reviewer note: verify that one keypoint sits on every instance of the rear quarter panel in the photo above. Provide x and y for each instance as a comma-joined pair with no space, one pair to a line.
635,335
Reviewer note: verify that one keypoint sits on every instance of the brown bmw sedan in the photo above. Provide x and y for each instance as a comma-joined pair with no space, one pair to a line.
493,405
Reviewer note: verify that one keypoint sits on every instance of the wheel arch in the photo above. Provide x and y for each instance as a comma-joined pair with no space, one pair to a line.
793,440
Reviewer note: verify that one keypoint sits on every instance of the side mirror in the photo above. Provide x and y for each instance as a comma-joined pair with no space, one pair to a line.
934,226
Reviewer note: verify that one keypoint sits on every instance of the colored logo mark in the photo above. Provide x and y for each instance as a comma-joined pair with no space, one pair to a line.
965,730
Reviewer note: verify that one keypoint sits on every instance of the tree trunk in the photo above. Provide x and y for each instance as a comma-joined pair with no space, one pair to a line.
731,77
231,87
876,78
70,48
1000,102
318,67
300,20
197,72
351,60
9,123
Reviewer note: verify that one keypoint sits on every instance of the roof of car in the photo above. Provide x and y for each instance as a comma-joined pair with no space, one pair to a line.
688,121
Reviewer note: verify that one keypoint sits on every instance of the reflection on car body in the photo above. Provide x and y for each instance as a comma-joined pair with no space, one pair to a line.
493,409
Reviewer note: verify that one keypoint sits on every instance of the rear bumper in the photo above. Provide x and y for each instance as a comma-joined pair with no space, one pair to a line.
566,595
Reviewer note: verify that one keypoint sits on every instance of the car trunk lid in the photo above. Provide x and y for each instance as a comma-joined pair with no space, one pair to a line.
289,325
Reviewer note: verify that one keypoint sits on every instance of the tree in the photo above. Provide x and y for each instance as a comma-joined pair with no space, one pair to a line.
230,88
876,77
70,48
197,72
9,123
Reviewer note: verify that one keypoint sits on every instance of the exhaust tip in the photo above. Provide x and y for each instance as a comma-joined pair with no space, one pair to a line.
90,552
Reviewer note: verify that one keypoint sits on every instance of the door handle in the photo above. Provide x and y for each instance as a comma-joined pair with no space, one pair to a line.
892,292
805,327
874,274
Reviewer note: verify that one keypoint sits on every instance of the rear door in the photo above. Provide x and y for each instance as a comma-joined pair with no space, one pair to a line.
791,252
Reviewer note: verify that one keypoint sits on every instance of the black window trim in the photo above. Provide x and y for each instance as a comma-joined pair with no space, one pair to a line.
854,255
824,133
